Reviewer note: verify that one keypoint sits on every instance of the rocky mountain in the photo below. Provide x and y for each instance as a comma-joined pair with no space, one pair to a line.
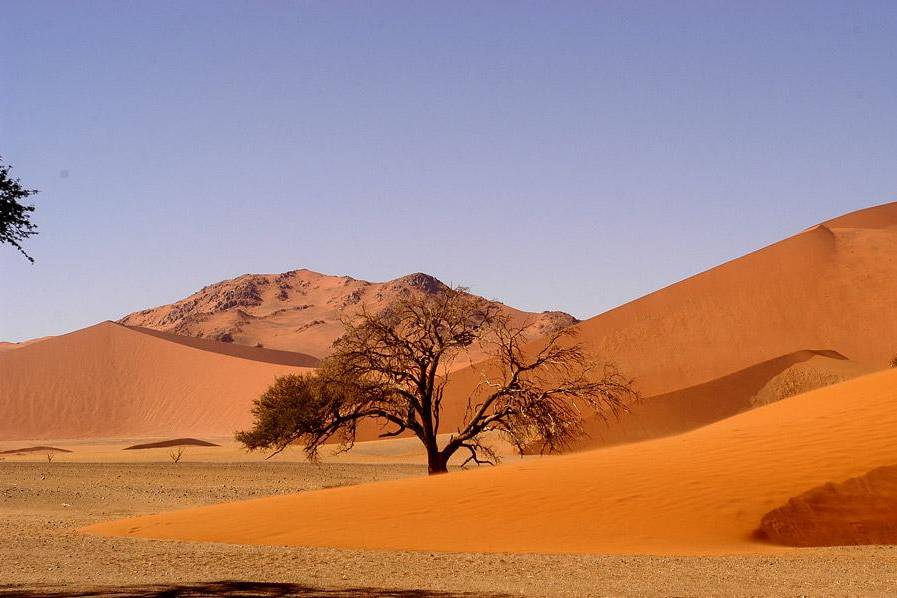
298,310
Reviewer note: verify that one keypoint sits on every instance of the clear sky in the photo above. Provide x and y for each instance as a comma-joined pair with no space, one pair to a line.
555,155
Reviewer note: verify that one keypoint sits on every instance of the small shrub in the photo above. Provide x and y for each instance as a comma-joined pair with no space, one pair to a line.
176,454
893,362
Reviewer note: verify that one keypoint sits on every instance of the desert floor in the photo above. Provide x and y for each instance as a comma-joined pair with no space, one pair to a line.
41,553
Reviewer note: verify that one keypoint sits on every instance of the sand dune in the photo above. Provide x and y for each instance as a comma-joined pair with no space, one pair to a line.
34,449
702,492
110,381
861,510
690,346
170,443
243,352
828,287
683,410
6,346
881,217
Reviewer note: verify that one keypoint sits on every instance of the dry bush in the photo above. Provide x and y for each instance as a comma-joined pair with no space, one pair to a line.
893,362
176,454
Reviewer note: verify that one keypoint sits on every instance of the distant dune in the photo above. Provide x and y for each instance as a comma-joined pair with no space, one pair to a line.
253,353
702,492
109,381
34,449
169,444
299,310
6,346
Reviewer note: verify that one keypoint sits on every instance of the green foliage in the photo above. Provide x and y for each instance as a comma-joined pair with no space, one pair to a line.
311,408
289,409
15,217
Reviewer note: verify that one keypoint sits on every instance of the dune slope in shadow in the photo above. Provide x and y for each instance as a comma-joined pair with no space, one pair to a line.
683,410
861,510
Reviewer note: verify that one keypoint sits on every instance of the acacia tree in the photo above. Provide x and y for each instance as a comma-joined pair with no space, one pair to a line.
15,217
393,366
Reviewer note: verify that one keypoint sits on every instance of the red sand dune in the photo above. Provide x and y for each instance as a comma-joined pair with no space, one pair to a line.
861,510
6,346
683,410
110,381
702,492
830,287
243,352
294,311
169,444
35,449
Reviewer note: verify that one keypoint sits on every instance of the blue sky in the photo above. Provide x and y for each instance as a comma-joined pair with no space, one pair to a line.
570,155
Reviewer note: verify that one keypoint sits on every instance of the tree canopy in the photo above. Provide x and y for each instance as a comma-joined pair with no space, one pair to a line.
15,217
393,366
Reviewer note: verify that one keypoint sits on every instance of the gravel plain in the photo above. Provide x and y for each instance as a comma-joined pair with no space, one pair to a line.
42,553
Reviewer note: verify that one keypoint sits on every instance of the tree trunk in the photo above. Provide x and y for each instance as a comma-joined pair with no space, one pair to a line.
436,463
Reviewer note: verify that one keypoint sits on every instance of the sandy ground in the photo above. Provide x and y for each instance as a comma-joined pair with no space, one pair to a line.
41,554
704,492
113,450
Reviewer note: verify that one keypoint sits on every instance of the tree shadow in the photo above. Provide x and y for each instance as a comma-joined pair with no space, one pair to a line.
242,589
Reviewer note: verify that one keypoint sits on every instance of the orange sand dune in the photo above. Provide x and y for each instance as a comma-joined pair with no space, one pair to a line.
829,287
883,216
683,410
6,346
253,353
35,449
170,443
702,492
109,381
862,510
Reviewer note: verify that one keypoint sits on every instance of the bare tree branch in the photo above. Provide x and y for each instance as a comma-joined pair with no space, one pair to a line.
393,366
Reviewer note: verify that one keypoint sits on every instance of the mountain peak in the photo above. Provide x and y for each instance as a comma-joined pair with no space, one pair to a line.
299,310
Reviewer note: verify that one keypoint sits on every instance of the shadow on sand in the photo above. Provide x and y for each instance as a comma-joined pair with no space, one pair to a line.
242,589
